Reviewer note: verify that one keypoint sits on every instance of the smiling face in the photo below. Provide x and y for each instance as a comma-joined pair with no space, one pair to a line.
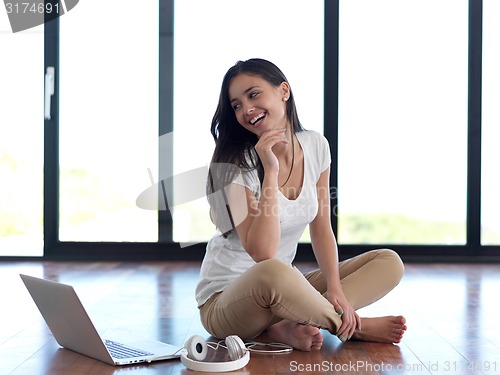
258,105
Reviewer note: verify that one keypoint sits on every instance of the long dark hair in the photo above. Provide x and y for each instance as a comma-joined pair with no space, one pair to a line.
233,143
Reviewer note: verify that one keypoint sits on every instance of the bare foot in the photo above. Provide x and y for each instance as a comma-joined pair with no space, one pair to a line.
388,329
301,337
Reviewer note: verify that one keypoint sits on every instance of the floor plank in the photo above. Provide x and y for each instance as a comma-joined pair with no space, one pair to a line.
451,312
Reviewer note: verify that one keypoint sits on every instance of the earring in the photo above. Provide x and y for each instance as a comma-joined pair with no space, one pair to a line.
285,98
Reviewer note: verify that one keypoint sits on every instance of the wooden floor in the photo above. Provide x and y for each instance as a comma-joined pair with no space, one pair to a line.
451,310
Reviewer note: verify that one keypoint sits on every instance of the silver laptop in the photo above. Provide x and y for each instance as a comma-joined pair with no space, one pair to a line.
72,328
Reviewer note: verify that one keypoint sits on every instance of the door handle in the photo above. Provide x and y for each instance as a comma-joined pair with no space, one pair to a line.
49,90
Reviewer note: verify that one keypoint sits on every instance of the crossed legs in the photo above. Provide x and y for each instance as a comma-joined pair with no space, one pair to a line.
275,296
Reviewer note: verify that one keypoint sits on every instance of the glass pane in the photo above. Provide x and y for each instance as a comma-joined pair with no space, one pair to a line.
21,140
286,32
108,120
490,207
403,121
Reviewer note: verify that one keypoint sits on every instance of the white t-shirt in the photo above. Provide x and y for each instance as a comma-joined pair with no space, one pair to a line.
226,259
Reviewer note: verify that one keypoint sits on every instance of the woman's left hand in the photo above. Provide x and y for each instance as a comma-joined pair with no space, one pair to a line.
350,319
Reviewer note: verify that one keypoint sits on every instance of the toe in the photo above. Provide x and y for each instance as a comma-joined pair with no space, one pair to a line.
310,330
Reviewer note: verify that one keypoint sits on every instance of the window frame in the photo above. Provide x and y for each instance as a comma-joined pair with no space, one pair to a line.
165,249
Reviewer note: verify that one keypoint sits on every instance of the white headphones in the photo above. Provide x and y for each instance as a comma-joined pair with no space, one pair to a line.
196,348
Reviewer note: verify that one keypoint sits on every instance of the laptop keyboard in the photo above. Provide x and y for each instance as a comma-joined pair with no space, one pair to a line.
119,351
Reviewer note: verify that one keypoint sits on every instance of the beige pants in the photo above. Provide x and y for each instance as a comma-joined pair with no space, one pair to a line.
271,291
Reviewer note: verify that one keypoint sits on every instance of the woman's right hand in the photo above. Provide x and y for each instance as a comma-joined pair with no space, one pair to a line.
260,232
264,149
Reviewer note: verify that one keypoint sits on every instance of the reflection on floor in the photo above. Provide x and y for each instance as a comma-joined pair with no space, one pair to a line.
450,309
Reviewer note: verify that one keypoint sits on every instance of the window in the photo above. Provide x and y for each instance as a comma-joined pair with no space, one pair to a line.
108,120
402,122
490,199
209,38
402,119
21,140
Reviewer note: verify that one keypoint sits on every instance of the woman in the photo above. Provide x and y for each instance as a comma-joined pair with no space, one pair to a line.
268,180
